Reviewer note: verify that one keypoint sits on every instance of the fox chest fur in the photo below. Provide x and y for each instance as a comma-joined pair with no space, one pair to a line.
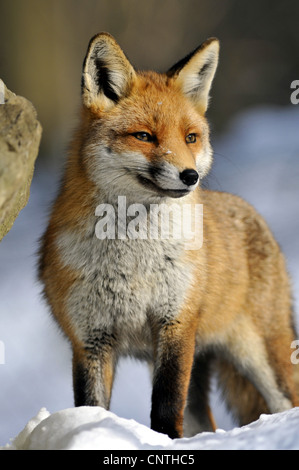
123,287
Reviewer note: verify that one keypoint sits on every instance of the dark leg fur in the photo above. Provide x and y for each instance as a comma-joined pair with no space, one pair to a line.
93,374
198,416
173,365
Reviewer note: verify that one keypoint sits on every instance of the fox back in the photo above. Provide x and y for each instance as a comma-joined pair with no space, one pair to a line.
125,284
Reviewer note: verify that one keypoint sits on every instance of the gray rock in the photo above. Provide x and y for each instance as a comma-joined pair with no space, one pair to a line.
20,135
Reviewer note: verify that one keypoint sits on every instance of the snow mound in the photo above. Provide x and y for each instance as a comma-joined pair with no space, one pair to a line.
93,428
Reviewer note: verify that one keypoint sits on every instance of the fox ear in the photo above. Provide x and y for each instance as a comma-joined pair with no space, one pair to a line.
107,74
194,74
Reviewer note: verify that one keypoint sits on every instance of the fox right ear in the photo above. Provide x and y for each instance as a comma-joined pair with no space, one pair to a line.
107,74
194,74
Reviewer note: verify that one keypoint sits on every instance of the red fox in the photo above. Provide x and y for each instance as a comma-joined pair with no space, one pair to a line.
224,307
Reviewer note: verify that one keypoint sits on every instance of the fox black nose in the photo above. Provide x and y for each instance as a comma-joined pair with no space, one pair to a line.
189,177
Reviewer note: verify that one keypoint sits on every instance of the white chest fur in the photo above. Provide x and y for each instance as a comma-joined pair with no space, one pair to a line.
124,285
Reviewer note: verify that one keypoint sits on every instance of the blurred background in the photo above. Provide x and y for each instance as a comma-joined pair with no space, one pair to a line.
255,134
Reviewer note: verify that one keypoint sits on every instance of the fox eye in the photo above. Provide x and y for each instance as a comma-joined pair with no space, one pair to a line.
144,136
191,138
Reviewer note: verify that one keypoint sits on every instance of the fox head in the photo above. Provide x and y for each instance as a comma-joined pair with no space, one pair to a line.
147,132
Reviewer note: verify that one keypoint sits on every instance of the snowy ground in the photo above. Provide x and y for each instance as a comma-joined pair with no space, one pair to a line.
258,158
93,428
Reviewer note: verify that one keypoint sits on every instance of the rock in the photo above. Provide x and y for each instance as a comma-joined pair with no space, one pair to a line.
20,134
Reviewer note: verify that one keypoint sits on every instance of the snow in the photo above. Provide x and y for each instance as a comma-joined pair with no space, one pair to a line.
257,158
93,428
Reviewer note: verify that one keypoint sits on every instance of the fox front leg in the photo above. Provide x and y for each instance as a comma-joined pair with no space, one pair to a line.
172,371
93,371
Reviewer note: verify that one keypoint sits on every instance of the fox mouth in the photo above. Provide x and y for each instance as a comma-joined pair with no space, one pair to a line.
175,193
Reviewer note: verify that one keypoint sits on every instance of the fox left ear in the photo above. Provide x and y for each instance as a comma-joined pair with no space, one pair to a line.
194,74
107,73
